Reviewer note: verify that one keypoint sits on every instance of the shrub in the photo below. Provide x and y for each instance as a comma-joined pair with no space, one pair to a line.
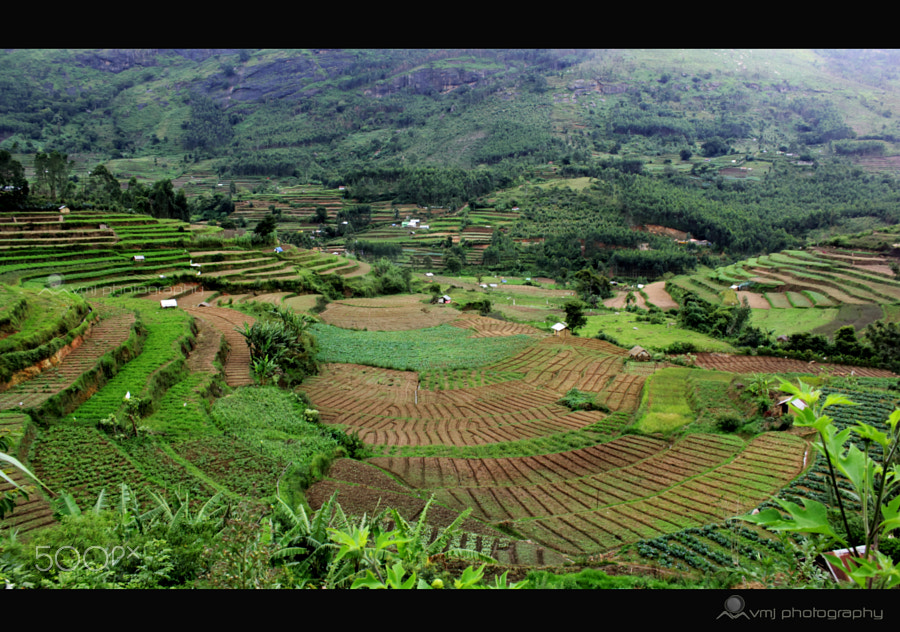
681,347
728,422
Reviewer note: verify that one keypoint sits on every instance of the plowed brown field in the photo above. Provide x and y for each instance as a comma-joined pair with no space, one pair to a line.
769,364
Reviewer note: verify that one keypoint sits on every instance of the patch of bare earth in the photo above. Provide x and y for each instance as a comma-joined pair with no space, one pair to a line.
754,300
385,316
884,270
657,295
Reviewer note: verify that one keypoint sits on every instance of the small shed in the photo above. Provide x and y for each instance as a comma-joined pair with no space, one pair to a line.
639,353
784,404
444,299
279,249
839,572
137,258
560,329
171,302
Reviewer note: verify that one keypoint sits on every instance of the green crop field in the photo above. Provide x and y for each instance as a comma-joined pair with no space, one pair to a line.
665,403
628,331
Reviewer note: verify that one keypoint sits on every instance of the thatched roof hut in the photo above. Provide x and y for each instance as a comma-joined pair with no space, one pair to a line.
639,353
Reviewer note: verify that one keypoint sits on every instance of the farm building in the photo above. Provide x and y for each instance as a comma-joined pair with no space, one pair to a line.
137,258
783,405
839,572
444,299
639,353
560,329
171,302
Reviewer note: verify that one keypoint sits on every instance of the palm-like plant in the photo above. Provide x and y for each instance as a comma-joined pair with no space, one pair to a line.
8,498
304,543
418,551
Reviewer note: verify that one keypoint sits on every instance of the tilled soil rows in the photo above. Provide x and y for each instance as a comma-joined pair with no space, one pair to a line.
110,333
237,365
769,364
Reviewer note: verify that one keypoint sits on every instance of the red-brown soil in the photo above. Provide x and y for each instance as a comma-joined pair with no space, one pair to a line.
111,332
770,364
224,321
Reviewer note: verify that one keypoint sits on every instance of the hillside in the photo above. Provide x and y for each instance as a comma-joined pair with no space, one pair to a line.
370,318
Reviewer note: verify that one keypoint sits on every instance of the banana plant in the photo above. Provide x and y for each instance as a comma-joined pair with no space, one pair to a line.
8,499
876,483
393,580
354,545
418,552
212,510
303,540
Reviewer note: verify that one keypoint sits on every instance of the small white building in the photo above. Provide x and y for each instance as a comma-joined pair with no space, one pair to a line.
560,329
171,302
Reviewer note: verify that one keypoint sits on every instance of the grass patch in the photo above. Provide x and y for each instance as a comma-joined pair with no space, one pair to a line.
443,347
665,403
628,331
792,321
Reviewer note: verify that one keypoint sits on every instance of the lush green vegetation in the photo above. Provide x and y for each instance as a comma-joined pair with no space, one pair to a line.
580,167
444,347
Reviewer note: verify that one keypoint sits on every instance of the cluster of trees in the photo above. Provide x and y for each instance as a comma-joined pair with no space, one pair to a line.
425,186
13,183
357,217
374,249
51,172
880,347
208,127
729,323
389,278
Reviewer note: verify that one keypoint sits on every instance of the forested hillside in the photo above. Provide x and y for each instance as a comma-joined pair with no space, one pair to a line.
750,150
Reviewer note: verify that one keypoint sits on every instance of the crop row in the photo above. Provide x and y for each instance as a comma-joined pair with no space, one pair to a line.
83,462
169,333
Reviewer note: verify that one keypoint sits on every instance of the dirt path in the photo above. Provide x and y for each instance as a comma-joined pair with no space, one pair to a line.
224,321
204,352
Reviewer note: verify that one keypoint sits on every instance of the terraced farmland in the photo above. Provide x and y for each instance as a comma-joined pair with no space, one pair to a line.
470,409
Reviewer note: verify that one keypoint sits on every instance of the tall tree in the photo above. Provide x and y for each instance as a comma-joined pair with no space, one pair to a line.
166,203
103,186
575,318
52,172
